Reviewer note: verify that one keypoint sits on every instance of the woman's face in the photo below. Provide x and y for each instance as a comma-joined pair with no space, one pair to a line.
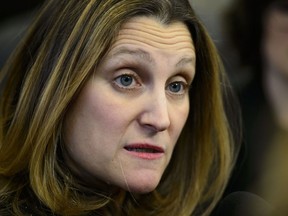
124,124
276,40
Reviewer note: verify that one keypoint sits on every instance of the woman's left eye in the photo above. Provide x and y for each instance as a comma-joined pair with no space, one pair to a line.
177,87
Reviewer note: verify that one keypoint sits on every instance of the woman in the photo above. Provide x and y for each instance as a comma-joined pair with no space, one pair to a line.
258,31
98,96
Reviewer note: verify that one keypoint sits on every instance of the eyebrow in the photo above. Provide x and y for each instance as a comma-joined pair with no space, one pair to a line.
142,54
185,61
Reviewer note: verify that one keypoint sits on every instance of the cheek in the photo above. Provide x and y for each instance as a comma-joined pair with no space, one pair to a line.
185,111
180,119
276,53
95,116
96,105
91,123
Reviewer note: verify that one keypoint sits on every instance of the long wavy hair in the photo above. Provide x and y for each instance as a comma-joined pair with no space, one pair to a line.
59,53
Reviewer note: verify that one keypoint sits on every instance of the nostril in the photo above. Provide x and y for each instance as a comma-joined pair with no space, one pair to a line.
154,128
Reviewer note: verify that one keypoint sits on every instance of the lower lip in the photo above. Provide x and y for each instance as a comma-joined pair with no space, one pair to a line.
145,155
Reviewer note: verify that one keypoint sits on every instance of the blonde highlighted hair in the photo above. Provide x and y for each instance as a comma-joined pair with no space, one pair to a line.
63,46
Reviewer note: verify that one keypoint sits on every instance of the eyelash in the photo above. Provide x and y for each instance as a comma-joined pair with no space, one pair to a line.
184,86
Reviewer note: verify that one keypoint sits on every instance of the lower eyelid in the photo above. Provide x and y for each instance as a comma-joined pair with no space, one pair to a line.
125,89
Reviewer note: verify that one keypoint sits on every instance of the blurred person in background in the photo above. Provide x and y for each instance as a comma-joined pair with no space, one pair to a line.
258,31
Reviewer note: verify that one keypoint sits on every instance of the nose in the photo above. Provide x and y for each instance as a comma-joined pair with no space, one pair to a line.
155,115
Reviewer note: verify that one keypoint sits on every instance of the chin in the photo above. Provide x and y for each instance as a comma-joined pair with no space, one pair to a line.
140,189
141,186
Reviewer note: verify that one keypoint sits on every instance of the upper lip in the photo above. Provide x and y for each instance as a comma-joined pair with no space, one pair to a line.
151,147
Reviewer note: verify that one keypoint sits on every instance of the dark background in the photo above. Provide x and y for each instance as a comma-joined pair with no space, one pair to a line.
13,8
15,16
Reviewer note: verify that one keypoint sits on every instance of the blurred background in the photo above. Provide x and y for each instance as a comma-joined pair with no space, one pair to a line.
252,39
15,15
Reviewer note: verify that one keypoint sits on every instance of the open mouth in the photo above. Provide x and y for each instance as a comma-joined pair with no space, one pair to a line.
144,148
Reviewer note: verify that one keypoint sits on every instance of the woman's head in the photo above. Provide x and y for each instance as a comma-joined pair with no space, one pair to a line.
246,24
275,37
124,124
63,55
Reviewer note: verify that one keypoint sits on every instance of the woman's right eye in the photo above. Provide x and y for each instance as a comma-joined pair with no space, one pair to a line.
126,81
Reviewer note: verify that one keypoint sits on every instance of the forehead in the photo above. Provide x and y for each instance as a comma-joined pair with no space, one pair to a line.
150,32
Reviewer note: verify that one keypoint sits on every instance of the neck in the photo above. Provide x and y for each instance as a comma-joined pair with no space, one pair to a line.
276,87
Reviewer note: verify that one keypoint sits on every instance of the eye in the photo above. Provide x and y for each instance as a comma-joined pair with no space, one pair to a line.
128,81
178,87
175,87
125,80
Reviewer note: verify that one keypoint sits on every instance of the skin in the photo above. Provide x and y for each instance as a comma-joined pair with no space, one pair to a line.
275,47
276,40
137,96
